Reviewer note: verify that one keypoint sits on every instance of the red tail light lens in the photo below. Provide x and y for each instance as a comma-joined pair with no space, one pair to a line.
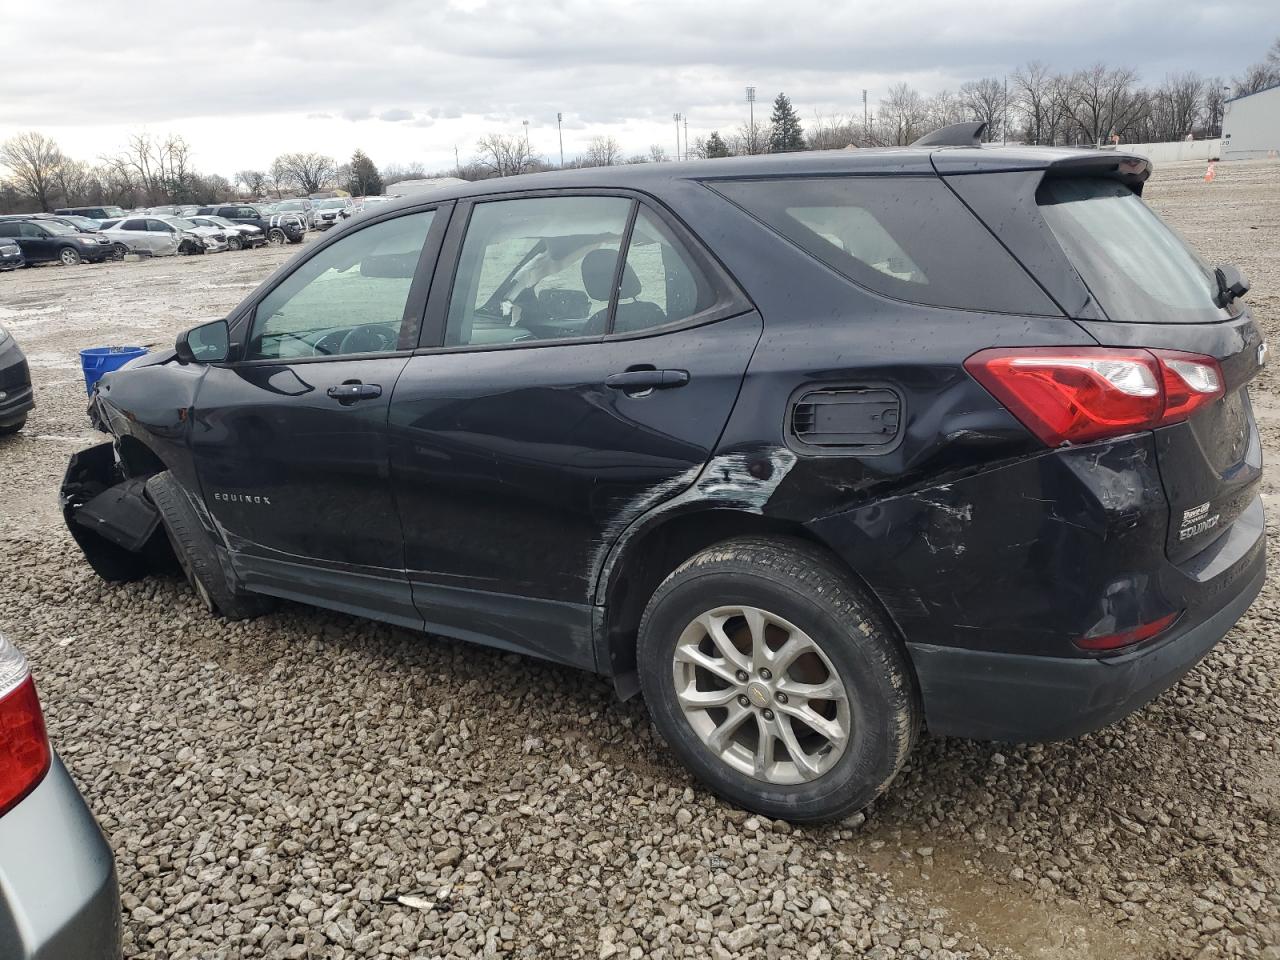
24,747
1127,638
1079,394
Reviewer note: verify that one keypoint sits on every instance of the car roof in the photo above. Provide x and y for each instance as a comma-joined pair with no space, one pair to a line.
902,161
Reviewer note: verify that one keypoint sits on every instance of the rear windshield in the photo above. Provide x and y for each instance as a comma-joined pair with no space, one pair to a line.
1136,267
908,238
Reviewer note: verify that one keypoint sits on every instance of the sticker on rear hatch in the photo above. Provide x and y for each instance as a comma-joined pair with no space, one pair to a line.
1197,521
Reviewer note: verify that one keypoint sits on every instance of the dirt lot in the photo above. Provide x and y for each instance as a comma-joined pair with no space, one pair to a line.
311,785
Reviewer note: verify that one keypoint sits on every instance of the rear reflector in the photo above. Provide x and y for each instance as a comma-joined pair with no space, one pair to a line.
1127,638
1079,394
24,746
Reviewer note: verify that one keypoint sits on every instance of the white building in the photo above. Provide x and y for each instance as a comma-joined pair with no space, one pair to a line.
1251,125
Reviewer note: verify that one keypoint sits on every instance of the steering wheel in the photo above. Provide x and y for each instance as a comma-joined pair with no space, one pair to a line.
369,338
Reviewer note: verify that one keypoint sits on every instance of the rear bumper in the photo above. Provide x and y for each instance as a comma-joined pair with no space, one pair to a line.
58,894
16,395
1014,697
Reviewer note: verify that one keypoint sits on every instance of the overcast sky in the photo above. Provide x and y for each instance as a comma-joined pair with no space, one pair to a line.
244,81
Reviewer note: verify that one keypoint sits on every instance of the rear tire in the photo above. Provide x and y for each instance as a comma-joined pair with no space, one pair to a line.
763,597
69,256
195,552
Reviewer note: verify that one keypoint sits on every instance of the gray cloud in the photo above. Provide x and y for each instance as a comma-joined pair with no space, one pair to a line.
474,64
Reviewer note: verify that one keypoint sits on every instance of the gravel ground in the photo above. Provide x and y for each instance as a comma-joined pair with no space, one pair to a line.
311,785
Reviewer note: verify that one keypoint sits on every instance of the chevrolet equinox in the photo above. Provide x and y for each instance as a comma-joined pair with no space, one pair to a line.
814,450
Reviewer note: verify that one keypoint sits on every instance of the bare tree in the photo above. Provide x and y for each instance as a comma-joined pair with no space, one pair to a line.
33,159
603,152
307,172
658,153
903,116
1103,102
834,132
255,181
500,155
984,100
945,108
1173,108
1214,99
1032,97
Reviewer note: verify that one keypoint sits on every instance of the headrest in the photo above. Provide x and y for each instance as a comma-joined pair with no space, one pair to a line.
597,276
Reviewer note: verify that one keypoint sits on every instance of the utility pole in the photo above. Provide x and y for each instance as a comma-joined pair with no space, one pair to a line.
1004,124
864,108
560,134
526,138
751,127
686,136
456,162
676,117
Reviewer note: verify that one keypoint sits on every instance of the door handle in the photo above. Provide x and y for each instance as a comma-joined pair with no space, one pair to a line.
353,390
638,381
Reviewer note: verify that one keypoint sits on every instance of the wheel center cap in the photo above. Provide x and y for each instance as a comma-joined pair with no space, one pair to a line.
758,694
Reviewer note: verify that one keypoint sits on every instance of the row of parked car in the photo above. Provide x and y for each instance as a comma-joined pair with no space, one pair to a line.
93,234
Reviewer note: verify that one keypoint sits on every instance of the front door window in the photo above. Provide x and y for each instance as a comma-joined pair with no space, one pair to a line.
350,298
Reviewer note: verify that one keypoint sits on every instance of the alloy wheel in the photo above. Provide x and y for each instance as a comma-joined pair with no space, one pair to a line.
761,694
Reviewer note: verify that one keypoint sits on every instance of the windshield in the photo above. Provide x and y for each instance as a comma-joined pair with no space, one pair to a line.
330,204
1138,269
60,229
290,205
113,212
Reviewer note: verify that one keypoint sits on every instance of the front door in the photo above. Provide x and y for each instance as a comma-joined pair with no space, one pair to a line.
572,392
290,440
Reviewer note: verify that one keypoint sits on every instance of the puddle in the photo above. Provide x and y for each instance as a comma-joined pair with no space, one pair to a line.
1001,915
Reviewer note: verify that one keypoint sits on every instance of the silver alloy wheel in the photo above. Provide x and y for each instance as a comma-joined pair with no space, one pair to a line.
761,694
69,257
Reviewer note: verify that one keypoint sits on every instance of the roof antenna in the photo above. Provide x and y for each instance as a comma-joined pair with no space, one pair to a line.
967,134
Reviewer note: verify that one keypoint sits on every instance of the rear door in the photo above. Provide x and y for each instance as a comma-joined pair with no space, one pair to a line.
564,389
1155,292
290,441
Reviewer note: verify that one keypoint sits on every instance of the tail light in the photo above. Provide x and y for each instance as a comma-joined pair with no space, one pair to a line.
24,747
1127,638
1078,394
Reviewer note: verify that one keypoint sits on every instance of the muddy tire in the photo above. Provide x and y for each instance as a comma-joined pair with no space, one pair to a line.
195,552
277,237
69,256
777,681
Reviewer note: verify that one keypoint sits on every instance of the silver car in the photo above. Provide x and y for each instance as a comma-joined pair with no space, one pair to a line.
59,899
155,236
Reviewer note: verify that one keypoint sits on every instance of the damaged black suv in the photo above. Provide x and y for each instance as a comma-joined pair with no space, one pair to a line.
815,450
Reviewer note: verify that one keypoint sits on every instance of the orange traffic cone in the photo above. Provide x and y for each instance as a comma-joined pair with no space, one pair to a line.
1210,173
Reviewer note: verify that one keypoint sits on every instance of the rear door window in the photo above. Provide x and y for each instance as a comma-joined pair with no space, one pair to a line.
1138,269
908,238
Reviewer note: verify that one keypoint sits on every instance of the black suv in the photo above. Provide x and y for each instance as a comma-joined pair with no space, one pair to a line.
48,240
16,396
812,449
278,229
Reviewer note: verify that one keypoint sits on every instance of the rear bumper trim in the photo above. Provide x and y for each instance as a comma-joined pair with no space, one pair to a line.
1025,699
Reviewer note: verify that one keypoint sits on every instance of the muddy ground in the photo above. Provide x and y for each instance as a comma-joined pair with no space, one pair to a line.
311,785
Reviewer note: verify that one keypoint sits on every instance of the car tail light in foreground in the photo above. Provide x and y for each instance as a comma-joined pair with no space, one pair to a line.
1127,638
1078,394
24,747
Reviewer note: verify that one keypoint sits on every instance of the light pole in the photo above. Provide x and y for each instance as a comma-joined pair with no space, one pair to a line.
676,118
751,125
1004,123
526,136
686,136
560,134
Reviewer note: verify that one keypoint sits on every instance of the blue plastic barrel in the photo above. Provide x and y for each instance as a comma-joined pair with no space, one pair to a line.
99,360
